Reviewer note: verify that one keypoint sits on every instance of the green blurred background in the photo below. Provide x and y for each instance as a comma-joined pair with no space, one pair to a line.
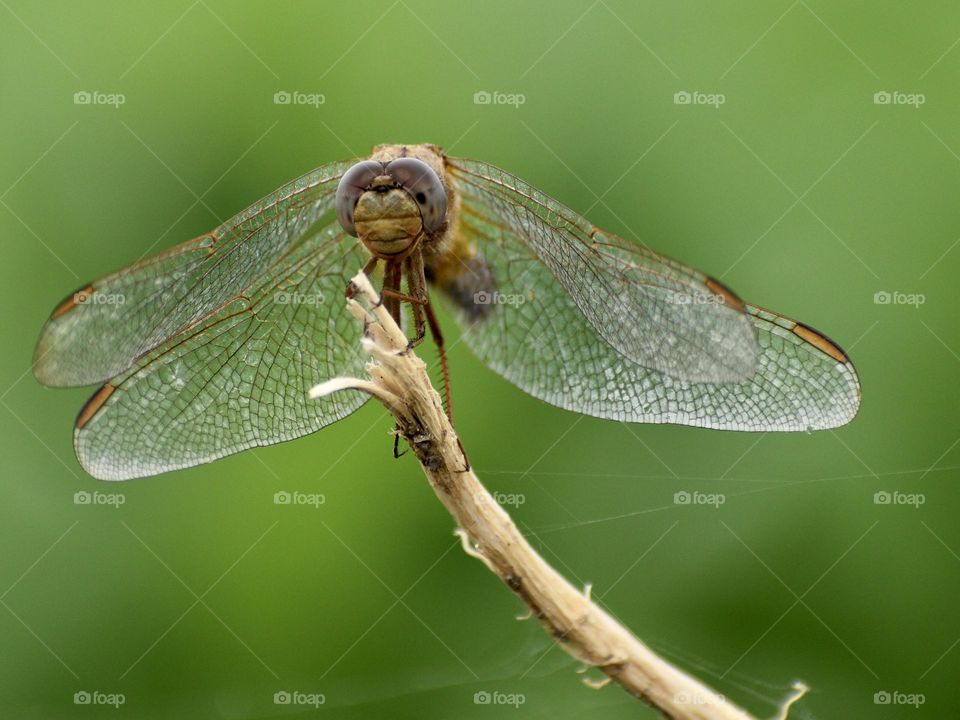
200,598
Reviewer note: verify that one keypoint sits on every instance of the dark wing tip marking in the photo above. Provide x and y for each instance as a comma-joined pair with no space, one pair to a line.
93,405
71,301
730,298
821,342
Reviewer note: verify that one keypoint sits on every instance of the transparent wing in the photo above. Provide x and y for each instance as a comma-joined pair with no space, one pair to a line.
537,334
238,378
211,347
99,331
653,311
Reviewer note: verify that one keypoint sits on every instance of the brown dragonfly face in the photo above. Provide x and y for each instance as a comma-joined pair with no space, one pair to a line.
210,347
394,200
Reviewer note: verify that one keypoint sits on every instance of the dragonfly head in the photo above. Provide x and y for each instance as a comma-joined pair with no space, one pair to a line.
389,206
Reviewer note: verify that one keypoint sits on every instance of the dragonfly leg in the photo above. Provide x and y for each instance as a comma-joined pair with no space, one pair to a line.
418,298
423,316
418,286
420,324
368,269
396,444
441,350
412,299
417,282
391,289
390,294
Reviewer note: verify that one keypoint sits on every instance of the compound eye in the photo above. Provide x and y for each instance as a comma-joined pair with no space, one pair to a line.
419,179
353,184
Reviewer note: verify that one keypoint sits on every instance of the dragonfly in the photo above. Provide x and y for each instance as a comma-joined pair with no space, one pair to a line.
210,347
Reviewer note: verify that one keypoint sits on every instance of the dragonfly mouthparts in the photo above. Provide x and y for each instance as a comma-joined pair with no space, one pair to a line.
383,183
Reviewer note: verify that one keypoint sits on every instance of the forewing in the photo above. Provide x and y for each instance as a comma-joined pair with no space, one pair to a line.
100,331
239,377
651,310
537,335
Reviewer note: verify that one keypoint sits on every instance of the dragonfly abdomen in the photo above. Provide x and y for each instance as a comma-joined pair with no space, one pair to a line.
469,283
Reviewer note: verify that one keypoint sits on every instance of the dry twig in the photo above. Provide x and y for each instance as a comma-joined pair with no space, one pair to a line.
400,381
